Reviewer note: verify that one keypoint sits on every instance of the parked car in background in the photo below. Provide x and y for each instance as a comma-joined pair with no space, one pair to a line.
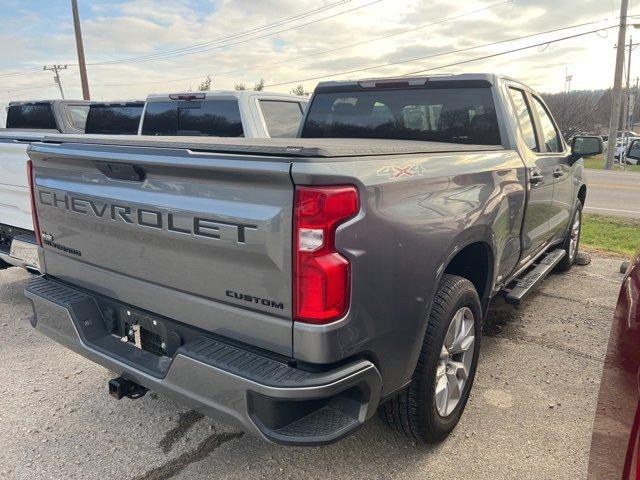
223,113
622,142
615,442
293,286
26,122
114,118
633,152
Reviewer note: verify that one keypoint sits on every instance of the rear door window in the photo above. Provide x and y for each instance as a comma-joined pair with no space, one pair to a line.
218,118
436,113
282,118
33,115
78,115
525,119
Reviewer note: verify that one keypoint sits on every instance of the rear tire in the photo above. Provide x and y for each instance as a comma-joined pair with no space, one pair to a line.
571,242
423,411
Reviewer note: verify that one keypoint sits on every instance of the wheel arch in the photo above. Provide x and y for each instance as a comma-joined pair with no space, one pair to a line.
472,256
582,193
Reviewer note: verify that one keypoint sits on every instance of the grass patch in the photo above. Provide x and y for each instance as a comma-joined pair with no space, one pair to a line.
596,162
611,234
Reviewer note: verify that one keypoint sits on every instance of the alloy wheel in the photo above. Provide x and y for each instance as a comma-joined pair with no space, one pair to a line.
455,361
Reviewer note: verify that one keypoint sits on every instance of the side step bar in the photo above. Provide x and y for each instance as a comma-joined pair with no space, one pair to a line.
525,284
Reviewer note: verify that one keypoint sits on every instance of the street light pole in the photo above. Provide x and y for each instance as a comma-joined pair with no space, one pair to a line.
84,80
617,85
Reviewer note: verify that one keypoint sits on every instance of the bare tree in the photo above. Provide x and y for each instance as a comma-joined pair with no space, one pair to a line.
299,90
205,86
240,86
259,86
580,110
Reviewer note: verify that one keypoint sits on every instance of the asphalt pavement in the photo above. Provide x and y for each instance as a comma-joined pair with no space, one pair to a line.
613,193
529,415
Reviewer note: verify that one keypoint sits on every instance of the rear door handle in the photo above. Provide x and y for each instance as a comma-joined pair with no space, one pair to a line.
536,178
557,173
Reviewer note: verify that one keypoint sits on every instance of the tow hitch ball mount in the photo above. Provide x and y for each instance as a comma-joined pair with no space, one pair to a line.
121,387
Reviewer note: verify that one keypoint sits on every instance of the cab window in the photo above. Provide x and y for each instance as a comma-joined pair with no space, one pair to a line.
78,115
549,131
525,119
282,118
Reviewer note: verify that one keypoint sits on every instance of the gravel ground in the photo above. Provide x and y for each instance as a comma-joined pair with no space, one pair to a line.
529,415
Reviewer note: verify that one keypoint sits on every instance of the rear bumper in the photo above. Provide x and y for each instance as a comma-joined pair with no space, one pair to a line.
260,394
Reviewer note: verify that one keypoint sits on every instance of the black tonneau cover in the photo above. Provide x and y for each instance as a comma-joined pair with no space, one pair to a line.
289,147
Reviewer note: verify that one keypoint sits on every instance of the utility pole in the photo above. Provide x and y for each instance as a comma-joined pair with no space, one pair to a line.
625,109
80,48
617,84
633,105
56,76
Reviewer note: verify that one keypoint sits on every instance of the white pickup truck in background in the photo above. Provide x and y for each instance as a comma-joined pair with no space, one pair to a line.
235,113
28,122
223,113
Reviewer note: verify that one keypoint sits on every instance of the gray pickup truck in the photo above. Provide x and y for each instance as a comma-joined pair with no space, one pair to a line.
293,287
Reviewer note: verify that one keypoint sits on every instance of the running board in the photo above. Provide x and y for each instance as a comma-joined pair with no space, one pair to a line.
525,285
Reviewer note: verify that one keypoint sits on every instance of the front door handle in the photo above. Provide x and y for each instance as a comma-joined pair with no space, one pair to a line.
557,173
536,178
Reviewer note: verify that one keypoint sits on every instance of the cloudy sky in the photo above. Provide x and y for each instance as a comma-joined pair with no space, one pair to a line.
138,47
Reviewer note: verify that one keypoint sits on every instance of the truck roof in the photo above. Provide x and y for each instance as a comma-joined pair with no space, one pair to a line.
118,103
51,102
286,147
155,97
415,80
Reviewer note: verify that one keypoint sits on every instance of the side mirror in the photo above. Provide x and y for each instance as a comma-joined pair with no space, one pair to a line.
633,151
583,146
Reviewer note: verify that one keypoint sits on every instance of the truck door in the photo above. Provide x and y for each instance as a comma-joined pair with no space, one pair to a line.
535,229
558,154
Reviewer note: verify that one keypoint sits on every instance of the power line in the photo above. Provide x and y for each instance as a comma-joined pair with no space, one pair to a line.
316,53
236,35
20,72
24,89
411,60
556,40
225,45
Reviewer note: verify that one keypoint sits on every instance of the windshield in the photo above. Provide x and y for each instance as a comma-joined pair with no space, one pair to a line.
455,115
218,118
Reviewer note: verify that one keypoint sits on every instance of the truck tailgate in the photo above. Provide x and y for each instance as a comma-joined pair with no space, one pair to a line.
202,238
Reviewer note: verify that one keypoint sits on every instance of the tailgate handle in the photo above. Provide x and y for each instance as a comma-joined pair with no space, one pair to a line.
121,171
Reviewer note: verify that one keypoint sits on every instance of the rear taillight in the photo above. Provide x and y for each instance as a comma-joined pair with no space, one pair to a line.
34,212
321,276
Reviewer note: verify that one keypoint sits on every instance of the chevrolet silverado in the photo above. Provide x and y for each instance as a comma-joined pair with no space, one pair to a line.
294,287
